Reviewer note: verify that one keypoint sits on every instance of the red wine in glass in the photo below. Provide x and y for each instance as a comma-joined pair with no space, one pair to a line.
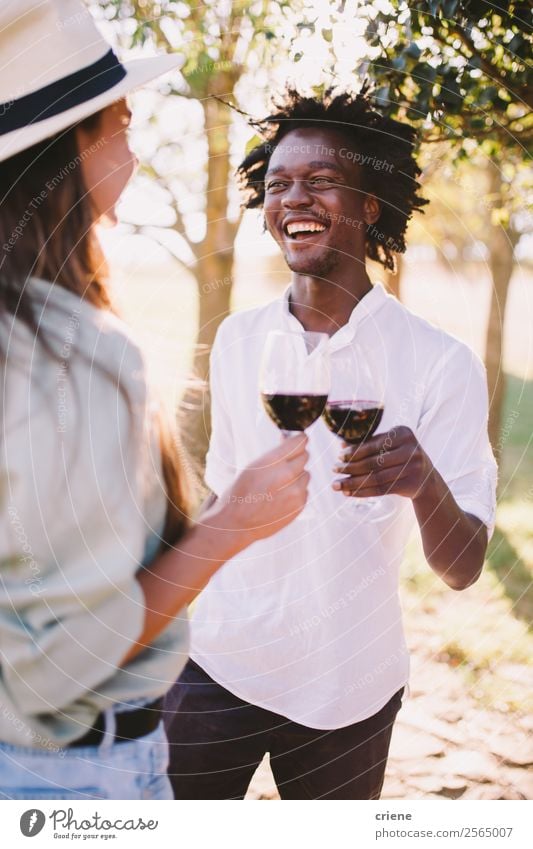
353,421
293,411
294,383
354,412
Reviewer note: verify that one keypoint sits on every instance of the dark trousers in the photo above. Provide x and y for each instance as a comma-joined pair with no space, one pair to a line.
217,741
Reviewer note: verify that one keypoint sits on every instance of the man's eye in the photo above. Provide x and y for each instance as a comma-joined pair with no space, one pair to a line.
322,181
275,184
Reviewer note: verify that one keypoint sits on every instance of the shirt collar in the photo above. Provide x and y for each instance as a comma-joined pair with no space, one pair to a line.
367,306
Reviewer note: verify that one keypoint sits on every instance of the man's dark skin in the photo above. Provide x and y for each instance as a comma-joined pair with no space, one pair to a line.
309,179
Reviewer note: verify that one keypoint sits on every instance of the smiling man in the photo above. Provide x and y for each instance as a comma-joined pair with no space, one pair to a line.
298,649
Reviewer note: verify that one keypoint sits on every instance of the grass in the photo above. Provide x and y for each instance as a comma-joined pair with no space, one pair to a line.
516,472
484,632
512,571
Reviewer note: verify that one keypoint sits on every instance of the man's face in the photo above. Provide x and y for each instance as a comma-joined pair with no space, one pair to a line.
313,206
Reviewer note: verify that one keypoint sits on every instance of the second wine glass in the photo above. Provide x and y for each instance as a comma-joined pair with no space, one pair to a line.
354,411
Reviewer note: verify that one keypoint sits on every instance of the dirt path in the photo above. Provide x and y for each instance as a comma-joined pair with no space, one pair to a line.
444,745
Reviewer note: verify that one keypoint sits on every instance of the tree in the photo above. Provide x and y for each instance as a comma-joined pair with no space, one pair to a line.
220,42
459,69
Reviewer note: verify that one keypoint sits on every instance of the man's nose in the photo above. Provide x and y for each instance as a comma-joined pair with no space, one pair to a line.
297,196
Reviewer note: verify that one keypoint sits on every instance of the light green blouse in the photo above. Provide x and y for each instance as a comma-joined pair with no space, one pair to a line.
82,502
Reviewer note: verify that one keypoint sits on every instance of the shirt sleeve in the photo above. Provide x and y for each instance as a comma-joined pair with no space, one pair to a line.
452,429
220,468
72,531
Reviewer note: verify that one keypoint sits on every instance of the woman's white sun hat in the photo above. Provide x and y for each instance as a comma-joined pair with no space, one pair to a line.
56,69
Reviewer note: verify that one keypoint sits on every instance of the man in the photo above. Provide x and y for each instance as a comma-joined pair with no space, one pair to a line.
298,649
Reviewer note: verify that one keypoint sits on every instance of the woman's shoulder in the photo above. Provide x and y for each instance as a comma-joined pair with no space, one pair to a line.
71,335
76,345
72,323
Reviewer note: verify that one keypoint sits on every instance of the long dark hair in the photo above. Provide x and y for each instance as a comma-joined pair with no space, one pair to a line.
47,231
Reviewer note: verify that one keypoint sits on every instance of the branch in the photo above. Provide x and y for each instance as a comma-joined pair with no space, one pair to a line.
153,232
523,95
195,15
179,227
233,226
228,42
502,132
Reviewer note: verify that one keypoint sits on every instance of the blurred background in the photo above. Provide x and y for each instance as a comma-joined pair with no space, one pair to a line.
183,256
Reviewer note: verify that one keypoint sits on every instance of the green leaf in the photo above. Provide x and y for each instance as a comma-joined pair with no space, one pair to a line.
449,7
500,104
488,94
500,217
424,71
451,96
516,46
327,35
399,62
382,96
297,57
414,113
139,36
475,61
318,90
413,51
251,143
423,106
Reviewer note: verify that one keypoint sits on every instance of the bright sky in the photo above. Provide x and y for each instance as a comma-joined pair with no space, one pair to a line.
175,141
179,121
177,137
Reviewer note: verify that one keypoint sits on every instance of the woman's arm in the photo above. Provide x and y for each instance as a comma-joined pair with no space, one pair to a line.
225,529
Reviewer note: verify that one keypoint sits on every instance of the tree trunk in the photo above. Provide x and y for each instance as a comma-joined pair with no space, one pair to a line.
213,273
501,249
214,303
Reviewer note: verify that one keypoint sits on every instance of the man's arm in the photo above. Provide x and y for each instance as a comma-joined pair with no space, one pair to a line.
395,463
455,542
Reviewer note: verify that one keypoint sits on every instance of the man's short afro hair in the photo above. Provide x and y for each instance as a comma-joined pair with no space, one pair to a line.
374,139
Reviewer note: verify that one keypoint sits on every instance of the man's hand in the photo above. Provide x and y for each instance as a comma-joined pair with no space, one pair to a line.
392,463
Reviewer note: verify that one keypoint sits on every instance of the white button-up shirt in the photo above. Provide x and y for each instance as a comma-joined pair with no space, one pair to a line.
307,623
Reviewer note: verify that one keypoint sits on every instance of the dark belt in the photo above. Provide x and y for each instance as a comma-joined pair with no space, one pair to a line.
130,725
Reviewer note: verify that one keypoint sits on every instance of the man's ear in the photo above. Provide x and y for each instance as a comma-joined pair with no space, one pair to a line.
371,208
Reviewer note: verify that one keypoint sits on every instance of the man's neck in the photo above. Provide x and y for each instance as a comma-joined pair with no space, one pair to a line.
323,305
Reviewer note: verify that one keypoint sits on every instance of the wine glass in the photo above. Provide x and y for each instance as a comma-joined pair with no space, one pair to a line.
354,411
295,378
294,381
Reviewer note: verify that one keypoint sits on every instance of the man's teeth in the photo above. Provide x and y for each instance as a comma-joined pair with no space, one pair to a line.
305,227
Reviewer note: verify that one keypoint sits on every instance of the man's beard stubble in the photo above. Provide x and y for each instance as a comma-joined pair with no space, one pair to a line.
322,266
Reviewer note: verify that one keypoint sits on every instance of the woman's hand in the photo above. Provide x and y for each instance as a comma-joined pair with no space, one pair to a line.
268,494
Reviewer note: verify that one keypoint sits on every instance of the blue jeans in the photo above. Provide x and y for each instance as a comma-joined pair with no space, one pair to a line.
136,769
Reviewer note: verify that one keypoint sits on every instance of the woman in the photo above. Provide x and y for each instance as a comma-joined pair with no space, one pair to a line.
98,559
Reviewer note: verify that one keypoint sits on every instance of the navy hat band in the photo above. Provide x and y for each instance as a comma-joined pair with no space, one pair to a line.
62,95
